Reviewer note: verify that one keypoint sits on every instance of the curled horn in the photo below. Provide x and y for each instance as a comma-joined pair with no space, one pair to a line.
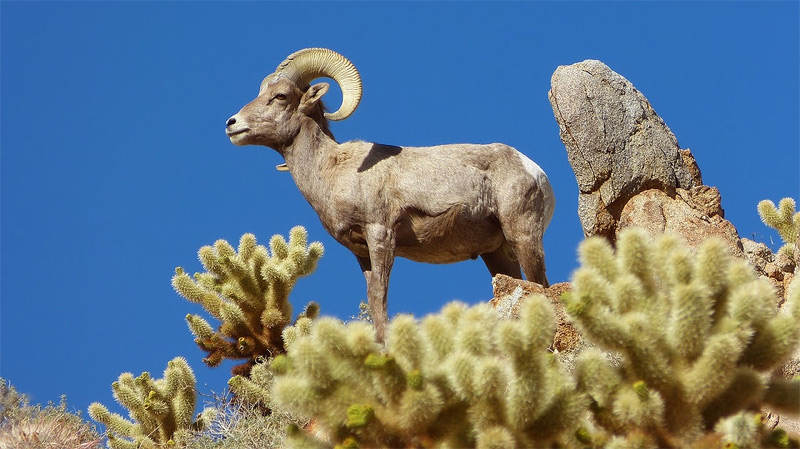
303,66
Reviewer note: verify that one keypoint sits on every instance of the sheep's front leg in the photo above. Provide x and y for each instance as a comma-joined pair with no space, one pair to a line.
381,243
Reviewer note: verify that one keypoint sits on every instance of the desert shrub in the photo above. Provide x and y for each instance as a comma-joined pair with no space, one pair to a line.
240,424
25,426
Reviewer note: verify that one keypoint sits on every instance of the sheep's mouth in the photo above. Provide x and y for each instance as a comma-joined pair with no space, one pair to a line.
236,132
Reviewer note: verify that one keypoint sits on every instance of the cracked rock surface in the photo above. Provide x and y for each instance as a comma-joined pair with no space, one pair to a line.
616,143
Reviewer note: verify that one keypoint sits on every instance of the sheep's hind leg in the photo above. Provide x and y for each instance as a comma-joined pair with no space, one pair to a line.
531,257
500,261
524,232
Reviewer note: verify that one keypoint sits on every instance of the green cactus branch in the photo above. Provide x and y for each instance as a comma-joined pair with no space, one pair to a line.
248,292
783,219
697,333
161,410
461,378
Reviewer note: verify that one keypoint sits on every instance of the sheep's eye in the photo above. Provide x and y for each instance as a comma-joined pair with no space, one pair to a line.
280,96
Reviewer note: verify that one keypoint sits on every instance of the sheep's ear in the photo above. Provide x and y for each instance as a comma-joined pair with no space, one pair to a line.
312,97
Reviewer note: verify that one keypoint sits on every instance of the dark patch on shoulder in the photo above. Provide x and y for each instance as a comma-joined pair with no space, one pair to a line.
376,154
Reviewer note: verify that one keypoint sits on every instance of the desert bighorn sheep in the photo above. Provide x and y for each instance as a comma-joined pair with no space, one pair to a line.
439,204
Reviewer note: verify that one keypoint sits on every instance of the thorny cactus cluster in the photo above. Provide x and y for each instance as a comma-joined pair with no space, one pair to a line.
248,291
693,339
461,378
684,343
785,220
697,335
162,410
255,389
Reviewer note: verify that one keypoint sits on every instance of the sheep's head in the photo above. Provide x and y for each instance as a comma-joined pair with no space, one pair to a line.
275,116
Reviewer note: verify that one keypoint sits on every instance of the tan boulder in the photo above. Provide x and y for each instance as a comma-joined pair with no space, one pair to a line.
694,214
778,269
509,292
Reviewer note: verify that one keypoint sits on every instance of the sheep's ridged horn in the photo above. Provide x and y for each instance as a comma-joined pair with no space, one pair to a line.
303,66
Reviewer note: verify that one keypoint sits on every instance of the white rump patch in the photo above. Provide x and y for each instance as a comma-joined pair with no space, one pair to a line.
541,179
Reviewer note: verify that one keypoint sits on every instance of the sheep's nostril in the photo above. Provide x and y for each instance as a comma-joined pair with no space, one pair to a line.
230,121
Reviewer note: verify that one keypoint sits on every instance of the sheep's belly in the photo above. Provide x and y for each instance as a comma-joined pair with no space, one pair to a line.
452,236
441,253
467,241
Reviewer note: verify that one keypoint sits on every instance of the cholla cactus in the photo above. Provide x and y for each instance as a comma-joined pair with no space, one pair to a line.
162,410
248,291
748,430
783,219
697,335
461,378
256,388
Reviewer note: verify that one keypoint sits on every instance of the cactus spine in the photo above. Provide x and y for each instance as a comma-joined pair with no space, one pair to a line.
248,292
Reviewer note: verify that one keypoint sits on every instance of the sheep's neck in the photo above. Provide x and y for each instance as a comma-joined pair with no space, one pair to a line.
306,157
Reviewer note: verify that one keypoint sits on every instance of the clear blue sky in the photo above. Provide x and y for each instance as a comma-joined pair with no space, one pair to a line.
115,166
